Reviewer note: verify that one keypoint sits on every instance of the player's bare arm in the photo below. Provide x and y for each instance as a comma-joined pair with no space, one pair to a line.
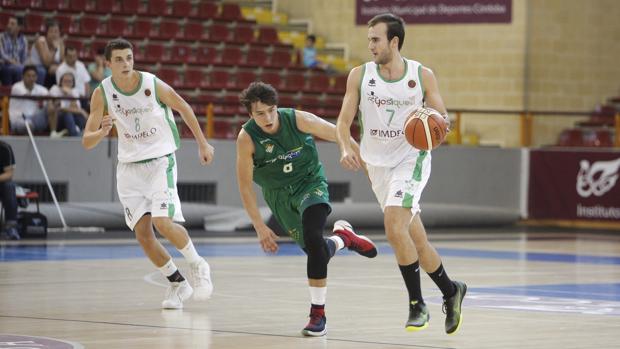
172,99
245,175
98,125
7,174
349,158
316,126
432,98
321,128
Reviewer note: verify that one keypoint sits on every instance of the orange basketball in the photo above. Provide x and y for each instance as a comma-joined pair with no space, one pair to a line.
425,129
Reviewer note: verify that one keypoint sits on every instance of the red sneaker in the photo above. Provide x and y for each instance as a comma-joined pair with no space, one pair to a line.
317,326
354,242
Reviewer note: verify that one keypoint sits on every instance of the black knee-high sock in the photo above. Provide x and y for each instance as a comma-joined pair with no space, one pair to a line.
441,279
411,275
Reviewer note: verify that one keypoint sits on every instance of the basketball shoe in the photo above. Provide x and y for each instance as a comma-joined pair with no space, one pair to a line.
354,242
176,293
317,326
200,274
418,317
12,233
452,308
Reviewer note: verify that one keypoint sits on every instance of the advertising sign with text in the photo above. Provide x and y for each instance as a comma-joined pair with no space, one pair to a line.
574,185
436,11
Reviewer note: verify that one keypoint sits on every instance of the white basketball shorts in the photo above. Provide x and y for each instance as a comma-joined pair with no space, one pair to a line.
149,187
403,184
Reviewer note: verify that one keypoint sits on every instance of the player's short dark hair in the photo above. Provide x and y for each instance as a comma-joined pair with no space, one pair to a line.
258,91
116,44
311,37
29,67
395,26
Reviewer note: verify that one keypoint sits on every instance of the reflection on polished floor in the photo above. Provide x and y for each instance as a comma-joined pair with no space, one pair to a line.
526,290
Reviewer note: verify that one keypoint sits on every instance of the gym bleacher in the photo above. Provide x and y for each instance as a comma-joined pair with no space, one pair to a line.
208,51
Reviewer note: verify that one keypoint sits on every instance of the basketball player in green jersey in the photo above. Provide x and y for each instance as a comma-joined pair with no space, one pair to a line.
386,91
138,104
276,150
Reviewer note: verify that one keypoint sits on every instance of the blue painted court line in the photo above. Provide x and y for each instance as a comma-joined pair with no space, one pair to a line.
73,252
602,292
530,256
132,250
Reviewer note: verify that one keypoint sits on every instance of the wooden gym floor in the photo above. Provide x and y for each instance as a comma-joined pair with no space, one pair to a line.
546,289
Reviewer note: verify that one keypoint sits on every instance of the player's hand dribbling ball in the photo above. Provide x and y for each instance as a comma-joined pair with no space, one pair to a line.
425,129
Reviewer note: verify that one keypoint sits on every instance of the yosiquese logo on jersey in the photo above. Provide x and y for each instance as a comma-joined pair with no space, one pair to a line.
133,111
378,101
377,133
290,155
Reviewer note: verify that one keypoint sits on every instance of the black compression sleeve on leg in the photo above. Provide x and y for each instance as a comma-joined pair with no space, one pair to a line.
313,222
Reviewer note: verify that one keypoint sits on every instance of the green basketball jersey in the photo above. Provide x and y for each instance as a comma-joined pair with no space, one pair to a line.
286,157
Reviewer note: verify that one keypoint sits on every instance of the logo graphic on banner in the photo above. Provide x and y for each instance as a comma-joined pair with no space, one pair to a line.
598,178
574,185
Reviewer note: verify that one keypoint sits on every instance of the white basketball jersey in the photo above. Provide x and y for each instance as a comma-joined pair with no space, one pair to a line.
145,125
384,107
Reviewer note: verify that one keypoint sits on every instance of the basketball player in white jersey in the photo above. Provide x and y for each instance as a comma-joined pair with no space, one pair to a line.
138,104
385,91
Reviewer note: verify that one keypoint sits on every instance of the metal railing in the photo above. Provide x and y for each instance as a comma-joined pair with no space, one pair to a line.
526,118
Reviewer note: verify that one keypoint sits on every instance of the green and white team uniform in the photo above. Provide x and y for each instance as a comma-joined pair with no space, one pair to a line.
398,172
147,139
287,168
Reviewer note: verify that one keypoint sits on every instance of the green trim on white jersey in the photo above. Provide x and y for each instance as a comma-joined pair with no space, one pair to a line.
146,127
384,107
421,81
105,101
132,92
396,80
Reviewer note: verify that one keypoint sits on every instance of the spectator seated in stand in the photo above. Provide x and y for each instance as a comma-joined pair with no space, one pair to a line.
309,55
47,53
13,51
98,70
71,64
71,117
35,111
7,191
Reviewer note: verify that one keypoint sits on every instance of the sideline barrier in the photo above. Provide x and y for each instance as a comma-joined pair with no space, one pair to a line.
574,187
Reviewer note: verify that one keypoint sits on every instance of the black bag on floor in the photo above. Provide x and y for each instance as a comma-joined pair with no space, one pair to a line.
32,225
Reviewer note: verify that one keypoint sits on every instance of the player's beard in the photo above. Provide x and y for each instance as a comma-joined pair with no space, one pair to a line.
384,58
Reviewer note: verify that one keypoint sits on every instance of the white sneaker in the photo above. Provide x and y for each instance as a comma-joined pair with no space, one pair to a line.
200,274
58,134
176,293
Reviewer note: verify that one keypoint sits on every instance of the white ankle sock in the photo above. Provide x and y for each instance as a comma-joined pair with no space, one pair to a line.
190,254
318,295
168,268
338,241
